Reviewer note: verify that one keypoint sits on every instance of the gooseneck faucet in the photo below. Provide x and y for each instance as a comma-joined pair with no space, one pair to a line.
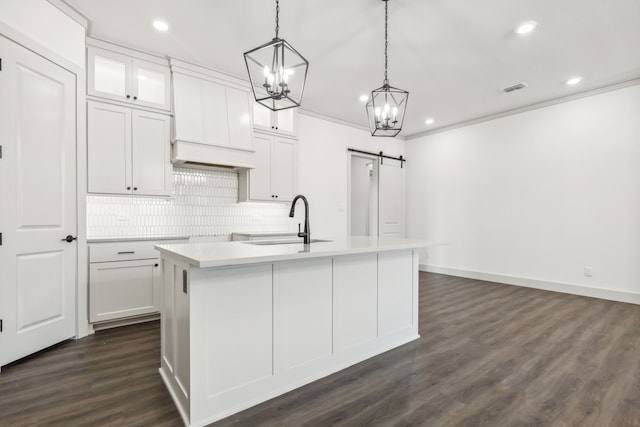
306,234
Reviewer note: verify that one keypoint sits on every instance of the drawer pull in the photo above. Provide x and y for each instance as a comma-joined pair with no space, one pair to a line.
126,252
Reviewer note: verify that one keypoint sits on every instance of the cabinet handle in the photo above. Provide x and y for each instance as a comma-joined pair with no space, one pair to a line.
155,265
128,96
69,239
128,188
135,188
276,196
126,252
135,98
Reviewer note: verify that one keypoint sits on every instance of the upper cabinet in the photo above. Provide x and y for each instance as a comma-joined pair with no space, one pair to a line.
282,122
129,79
274,177
128,151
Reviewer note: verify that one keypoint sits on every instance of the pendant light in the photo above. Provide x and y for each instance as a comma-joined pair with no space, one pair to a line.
387,105
277,72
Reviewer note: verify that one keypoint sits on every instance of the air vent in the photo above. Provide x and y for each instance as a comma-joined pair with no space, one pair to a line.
514,87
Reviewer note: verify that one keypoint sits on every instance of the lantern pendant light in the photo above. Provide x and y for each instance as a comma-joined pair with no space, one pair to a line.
387,105
277,72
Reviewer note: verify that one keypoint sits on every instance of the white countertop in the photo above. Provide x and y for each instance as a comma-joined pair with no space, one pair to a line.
219,254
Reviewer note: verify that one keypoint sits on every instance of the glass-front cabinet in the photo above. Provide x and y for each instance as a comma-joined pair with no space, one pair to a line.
131,80
282,122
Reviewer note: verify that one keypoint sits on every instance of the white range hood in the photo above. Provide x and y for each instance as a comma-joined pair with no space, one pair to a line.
212,118
191,154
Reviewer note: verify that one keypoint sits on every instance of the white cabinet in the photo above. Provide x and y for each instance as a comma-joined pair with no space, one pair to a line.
128,79
208,112
283,122
125,279
128,151
274,177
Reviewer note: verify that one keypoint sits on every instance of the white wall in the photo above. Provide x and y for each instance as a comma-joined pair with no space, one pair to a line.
46,25
535,197
322,169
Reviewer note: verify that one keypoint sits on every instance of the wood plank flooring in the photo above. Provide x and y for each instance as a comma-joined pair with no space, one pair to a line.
489,355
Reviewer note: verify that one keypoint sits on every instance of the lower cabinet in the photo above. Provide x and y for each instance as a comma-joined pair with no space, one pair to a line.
124,280
124,288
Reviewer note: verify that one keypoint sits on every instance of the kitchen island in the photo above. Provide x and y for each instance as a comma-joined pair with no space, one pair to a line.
243,322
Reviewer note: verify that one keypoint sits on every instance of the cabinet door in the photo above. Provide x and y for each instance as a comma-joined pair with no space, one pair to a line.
109,74
239,117
216,128
151,84
283,169
262,117
109,148
151,148
123,289
286,121
260,177
187,98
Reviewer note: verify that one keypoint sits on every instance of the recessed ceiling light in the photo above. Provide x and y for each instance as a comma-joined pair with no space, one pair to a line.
364,98
160,25
526,27
574,80
429,121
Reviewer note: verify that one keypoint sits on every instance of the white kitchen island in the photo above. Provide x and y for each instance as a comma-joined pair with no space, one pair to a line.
243,322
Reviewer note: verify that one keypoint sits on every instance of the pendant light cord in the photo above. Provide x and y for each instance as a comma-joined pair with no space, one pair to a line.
277,17
386,42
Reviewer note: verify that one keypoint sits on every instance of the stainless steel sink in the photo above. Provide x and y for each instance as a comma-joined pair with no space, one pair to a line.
281,242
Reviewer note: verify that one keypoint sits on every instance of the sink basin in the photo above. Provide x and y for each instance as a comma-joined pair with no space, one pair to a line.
281,242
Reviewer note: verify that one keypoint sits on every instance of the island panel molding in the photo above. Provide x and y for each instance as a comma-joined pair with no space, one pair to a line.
244,323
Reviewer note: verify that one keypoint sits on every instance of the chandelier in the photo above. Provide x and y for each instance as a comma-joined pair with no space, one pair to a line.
387,105
277,72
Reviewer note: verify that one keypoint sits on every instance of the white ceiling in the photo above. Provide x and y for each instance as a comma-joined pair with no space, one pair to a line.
453,56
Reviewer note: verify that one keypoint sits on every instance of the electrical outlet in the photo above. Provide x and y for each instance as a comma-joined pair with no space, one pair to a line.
587,271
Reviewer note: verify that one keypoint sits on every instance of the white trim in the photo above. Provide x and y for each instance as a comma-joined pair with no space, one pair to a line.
128,51
39,49
207,73
526,108
566,288
332,119
71,12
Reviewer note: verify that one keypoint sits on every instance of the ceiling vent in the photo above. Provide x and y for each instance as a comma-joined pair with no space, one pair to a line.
514,87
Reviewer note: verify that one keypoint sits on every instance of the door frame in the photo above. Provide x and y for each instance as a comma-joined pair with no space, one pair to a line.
374,229
82,273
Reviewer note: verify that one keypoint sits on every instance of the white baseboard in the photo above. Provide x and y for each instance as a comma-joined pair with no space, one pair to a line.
567,288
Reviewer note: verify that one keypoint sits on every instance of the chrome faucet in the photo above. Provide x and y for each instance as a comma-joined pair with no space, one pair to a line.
306,234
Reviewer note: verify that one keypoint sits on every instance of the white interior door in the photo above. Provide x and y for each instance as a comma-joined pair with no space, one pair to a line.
37,202
391,198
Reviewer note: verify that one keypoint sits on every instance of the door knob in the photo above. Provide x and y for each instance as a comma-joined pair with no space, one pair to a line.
69,238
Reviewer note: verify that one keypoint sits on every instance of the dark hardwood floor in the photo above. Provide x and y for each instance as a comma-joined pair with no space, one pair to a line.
490,355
